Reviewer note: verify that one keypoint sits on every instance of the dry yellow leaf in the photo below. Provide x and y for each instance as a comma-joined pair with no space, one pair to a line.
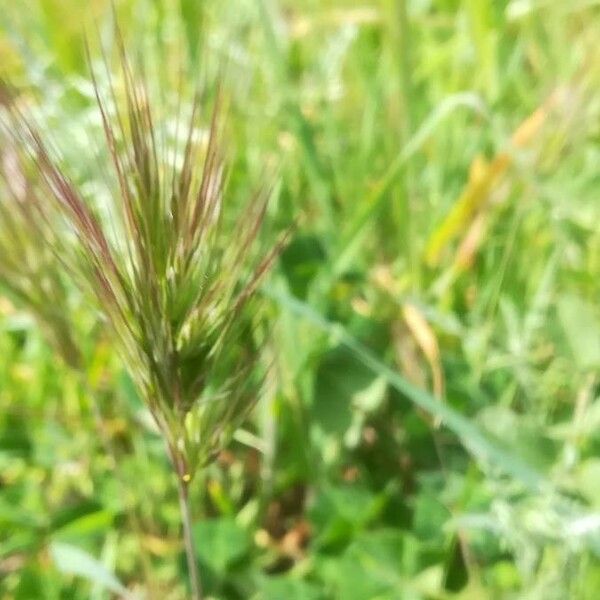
483,177
427,341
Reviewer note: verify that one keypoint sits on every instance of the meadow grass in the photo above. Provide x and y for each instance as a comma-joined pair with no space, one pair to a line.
429,425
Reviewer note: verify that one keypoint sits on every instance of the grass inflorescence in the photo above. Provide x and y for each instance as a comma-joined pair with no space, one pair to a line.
171,268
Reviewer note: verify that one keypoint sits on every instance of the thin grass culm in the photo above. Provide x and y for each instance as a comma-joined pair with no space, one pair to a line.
171,269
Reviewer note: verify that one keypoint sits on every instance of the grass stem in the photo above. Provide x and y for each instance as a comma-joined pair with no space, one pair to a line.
186,520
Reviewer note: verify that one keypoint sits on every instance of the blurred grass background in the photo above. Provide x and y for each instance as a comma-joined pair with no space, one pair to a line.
443,156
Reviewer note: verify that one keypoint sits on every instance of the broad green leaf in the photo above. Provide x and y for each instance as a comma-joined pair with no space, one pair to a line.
375,565
220,543
301,261
338,512
582,329
277,588
521,434
430,516
340,378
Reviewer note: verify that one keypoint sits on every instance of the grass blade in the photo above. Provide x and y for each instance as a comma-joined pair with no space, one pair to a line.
350,243
483,449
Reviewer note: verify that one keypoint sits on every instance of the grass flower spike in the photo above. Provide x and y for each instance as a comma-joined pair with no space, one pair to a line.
171,268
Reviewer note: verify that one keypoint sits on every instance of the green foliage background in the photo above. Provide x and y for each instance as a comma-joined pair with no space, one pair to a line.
347,482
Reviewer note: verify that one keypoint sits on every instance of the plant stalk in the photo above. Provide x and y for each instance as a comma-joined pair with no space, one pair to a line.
186,520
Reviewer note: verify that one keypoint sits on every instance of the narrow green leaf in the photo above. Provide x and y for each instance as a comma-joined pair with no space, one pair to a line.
470,435
350,242
74,561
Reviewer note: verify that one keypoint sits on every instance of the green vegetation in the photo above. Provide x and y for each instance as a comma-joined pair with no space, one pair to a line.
428,420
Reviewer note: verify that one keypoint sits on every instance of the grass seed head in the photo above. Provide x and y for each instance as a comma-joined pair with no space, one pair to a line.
171,269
